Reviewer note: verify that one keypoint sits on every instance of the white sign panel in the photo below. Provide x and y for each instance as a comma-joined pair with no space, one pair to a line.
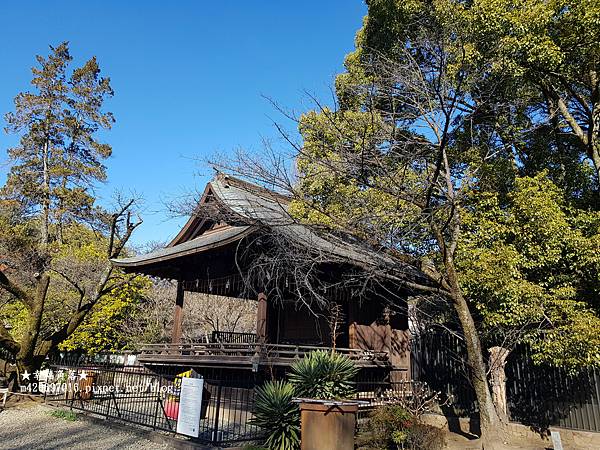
190,404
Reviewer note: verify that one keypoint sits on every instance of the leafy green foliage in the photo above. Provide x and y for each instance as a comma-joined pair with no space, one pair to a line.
539,56
528,246
385,422
54,241
323,375
80,256
58,157
548,52
534,265
102,329
319,375
276,414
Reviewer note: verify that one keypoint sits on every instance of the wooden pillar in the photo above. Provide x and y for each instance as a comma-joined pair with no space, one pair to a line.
352,340
178,314
261,319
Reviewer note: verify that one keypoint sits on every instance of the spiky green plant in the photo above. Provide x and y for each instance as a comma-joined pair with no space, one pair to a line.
323,375
275,413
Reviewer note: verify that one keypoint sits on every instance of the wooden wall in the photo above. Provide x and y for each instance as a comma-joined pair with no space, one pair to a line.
369,325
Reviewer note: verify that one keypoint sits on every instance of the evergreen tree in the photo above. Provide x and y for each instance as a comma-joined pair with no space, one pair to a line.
58,157
56,268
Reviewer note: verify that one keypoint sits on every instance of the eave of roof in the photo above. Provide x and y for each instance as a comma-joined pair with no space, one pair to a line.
210,240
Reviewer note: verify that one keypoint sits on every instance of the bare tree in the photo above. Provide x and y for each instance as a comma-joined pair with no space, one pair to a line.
204,313
335,320
404,154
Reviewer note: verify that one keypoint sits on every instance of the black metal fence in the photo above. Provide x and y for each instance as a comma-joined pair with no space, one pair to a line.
537,395
151,399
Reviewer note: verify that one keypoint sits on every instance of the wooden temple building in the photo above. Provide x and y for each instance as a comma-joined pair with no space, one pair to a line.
241,242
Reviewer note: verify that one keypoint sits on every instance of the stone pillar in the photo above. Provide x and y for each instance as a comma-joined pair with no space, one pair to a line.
178,315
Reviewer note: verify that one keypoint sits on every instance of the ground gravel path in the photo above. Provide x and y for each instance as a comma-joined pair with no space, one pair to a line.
32,427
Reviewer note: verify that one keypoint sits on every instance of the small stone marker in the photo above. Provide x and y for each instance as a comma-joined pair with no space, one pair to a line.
556,443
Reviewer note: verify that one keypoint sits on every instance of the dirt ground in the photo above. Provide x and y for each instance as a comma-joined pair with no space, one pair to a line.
571,440
27,424
459,442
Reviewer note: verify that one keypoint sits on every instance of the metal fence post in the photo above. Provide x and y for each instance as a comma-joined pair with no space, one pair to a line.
215,439
158,403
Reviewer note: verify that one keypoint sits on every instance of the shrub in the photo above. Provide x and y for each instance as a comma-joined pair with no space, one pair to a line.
276,414
386,423
392,427
320,375
425,437
323,375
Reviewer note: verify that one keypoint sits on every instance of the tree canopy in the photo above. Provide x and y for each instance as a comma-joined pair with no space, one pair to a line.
57,285
532,265
465,142
58,157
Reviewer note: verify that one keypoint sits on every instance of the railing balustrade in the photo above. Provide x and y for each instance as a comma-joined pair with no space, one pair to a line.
230,350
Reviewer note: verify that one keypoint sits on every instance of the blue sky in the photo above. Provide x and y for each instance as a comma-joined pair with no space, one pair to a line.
188,78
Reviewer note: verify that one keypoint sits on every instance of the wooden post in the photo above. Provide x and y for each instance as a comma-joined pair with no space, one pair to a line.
178,314
261,319
352,336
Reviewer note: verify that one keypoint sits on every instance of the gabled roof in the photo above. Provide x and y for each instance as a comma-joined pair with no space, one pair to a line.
248,208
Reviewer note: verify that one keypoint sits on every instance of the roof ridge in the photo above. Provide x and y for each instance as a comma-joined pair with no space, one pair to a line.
229,180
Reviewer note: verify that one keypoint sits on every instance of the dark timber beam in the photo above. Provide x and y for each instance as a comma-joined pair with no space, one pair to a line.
178,314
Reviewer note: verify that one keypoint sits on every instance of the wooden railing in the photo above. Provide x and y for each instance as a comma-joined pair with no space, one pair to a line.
232,337
248,353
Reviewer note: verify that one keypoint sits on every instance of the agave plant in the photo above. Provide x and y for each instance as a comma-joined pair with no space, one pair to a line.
323,375
275,413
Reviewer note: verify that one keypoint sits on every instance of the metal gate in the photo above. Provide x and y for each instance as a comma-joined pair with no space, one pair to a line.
143,397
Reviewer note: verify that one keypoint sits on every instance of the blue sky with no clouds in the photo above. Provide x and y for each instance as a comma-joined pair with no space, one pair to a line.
189,79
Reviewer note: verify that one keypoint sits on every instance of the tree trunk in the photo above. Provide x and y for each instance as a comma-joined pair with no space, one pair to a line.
26,356
498,357
594,128
45,197
595,139
488,418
